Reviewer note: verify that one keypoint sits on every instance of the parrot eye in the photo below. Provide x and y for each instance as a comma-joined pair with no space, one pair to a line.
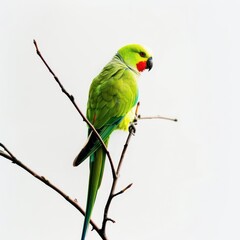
142,54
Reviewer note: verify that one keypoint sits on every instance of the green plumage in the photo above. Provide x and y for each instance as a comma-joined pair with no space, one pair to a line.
112,97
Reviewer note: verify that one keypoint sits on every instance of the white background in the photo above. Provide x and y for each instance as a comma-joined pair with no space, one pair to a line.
185,175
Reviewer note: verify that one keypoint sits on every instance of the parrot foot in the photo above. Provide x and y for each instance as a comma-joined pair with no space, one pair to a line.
132,128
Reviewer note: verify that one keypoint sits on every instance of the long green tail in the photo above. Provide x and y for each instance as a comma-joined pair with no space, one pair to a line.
97,161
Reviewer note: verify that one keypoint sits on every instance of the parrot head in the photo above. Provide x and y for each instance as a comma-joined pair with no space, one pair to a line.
136,56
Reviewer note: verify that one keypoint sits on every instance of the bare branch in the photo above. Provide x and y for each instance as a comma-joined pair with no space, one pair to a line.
5,155
111,220
71,98
8,155
123,190
157,117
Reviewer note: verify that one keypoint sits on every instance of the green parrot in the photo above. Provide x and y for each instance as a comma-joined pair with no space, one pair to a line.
112,99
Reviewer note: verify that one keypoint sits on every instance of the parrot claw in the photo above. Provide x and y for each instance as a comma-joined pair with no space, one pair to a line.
132,128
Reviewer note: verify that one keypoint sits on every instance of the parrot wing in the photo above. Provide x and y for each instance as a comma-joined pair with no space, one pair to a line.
93,143
112,94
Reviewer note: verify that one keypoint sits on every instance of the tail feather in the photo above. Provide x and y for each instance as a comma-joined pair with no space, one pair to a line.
97,161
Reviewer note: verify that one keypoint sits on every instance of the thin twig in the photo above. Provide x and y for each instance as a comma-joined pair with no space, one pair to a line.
123,190
5,155
74,203
130,134
157,117
71,98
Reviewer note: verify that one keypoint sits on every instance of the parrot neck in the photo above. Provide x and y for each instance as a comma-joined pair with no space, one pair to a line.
119,58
